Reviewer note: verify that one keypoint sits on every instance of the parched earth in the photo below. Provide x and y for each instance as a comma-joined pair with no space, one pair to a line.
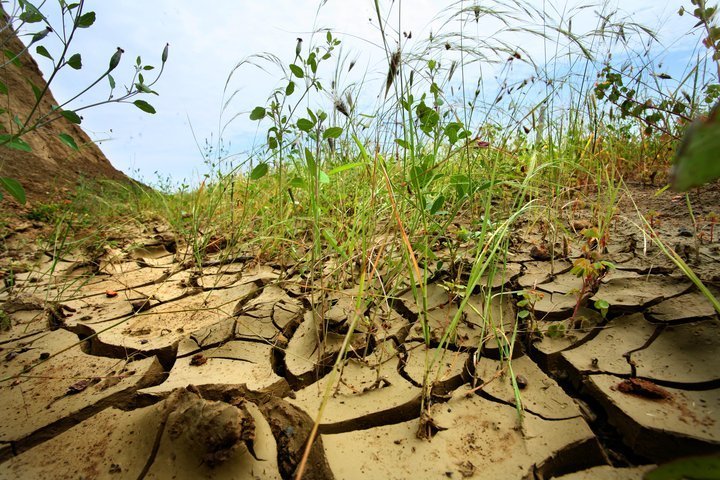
141,364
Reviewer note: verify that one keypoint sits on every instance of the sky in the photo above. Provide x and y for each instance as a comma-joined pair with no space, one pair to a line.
208,41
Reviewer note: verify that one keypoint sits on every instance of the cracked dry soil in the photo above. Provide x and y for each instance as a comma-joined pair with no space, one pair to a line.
143,366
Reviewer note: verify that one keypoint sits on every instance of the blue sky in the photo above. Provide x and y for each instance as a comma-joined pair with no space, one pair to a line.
207,41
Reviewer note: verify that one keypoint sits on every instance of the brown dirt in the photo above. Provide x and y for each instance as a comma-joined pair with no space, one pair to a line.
213,371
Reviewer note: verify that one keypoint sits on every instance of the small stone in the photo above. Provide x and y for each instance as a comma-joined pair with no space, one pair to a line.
140,305
198,359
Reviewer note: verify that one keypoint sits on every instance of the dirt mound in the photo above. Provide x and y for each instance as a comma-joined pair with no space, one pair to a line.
52,167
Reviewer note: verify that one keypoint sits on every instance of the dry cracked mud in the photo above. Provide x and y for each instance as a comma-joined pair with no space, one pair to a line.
139,364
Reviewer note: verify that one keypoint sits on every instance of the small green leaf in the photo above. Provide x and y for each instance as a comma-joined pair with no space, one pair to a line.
272,143
258,113
347,166
310,161
332,132
332,241
323,177
451,131
69,141
36,90
72,116
141,87
305,125
15,143
13,187
112,82
148,67
290,88
18,144
591,233
31,16
3,88
523,314
86,20
75,61
144,106
31,11
437,204
43,51
259,171
14,59
297,182
556,331
297,71
402,143
602,304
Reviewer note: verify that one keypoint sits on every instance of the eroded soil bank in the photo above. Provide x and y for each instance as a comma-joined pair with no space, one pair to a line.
139,363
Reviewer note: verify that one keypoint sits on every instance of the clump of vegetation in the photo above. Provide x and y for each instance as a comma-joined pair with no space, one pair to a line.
45,212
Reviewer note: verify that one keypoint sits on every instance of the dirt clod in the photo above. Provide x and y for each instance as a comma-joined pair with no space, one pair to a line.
214,430
540,252
198,359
